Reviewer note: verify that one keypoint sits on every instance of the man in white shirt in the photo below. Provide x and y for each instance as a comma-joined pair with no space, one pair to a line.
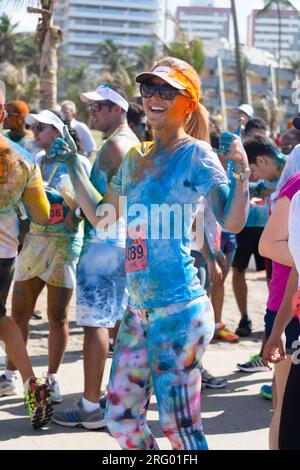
88,144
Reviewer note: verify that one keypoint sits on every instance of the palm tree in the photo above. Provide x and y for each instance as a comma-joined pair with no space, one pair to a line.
48,37
190,50
146,55
7,38
116,67
279,4
238,57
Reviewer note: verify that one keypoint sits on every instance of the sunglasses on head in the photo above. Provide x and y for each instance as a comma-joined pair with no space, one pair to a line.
96,107
165,91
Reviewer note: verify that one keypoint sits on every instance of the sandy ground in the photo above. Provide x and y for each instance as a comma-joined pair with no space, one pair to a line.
235,417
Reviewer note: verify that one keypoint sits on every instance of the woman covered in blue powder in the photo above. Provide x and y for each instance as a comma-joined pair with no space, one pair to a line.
169,319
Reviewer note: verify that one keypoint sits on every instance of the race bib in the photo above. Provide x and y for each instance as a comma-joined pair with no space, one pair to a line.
56,214
136,254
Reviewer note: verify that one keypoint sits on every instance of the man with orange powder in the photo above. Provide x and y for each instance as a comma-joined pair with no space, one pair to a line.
14,123
20,180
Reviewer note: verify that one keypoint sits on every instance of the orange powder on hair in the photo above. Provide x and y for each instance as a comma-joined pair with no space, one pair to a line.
19,107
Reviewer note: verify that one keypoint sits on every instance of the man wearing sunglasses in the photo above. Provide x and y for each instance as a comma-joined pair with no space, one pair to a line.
101,277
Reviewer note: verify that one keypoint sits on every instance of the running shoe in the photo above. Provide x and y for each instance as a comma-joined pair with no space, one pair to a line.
255,364
266,392
245,326
210,381
103,401
55,395
75,416
224,334
8,387
37,401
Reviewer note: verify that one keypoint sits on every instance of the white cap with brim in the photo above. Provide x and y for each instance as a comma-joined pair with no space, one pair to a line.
103,93
46,117
165,73
247,109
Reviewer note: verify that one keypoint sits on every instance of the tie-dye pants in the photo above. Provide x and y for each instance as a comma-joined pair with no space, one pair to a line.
160,348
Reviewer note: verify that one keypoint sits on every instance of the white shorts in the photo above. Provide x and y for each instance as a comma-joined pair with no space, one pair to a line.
52,259
101,294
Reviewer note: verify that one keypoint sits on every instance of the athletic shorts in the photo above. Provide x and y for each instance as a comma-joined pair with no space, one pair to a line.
101,294
247,245
6,276
292,331
228,242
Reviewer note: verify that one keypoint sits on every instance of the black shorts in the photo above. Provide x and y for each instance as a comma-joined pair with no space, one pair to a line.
6,276
247,245
292,331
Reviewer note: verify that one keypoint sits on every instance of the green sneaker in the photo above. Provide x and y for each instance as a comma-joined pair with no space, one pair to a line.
37,401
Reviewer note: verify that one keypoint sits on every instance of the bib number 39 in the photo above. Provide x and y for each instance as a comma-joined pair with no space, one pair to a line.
136,255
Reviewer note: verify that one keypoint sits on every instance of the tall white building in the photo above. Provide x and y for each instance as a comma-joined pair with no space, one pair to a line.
203,20
263,32
86,23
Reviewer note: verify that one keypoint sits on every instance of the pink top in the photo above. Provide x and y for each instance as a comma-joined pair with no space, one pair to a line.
280,272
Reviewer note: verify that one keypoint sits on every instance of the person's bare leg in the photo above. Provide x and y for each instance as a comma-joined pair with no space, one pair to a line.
240,289
58,304
217,299
95,349
282,370
25,294
15,347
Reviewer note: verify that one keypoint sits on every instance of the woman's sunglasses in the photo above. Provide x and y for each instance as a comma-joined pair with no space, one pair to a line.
165,91
38,127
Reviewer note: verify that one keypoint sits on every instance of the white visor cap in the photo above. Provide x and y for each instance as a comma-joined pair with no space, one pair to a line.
165,73
46,117
103,93
247,109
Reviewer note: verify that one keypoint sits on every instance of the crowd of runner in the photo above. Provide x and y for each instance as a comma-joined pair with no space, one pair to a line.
145,231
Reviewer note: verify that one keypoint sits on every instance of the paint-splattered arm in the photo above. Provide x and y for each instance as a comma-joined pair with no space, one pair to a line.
230,205
88,197
37,203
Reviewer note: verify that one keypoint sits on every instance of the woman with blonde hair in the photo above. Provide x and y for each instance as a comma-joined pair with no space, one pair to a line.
169,319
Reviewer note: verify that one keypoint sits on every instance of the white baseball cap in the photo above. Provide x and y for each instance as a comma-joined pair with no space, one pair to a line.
46,117
247,109
103,93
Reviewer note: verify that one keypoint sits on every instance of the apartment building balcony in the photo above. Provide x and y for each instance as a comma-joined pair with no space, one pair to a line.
150,17
145,4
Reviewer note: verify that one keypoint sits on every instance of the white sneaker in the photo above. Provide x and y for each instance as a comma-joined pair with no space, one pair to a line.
55,395
8,387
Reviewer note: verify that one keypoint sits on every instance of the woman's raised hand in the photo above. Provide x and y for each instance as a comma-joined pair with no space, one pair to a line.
64,150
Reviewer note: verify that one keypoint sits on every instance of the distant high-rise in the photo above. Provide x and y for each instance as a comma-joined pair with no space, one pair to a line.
204,20
263,32
85,23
